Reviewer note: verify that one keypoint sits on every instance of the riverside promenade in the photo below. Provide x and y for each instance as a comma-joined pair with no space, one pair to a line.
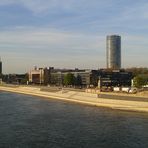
116,101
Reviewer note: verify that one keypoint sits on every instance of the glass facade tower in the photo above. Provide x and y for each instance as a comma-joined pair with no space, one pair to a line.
113,56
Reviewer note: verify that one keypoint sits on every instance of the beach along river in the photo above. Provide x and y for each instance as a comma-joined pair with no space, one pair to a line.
35,122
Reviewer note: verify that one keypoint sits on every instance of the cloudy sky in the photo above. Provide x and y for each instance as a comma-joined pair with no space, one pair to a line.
71,33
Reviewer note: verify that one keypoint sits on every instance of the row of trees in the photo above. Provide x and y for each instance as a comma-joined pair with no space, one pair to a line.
138,71
140,76
70,79
16,78
140,80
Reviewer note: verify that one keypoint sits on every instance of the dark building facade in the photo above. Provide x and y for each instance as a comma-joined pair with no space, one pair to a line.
113,49
15,78
114,78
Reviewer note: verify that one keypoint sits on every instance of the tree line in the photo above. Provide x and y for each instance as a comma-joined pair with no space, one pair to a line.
140,76
70,79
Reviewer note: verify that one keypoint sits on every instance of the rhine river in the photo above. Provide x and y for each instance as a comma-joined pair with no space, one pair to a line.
35,122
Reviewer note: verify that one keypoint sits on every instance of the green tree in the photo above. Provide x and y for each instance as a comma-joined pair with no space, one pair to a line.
69,79
137,71
140,80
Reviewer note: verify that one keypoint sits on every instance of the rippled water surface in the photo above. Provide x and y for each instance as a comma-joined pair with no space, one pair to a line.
34,122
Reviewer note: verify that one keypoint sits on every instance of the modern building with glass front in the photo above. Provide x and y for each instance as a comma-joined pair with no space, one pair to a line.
113,49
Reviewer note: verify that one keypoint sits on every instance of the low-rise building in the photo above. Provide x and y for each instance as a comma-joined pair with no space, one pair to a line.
39,76
57,76
114,78
86,78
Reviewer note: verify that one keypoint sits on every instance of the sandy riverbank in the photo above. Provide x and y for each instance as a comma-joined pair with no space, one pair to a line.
82,97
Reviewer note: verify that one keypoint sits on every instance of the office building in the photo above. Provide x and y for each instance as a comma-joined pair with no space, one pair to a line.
113,47
39,76
115,78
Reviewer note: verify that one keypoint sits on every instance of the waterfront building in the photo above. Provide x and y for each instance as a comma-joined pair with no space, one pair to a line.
113,49
39,76
57,76
114,78
85,78
51,76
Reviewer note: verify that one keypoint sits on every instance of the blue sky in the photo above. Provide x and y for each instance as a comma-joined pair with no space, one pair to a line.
71,33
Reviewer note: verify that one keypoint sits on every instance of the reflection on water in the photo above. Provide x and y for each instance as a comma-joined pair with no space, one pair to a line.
34,122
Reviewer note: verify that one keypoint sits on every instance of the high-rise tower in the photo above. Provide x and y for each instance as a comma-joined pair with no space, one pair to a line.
113,48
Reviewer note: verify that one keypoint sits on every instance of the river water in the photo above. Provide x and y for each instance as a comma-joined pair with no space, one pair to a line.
35,122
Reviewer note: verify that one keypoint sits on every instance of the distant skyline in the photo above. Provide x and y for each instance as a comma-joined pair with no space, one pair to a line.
70,33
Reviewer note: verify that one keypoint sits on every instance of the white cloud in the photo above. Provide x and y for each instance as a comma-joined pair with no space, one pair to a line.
49,37
48,46
50,6
44,5
21,49
134,50
7,2
136,11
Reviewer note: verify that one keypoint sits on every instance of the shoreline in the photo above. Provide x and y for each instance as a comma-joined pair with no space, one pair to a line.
82,98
